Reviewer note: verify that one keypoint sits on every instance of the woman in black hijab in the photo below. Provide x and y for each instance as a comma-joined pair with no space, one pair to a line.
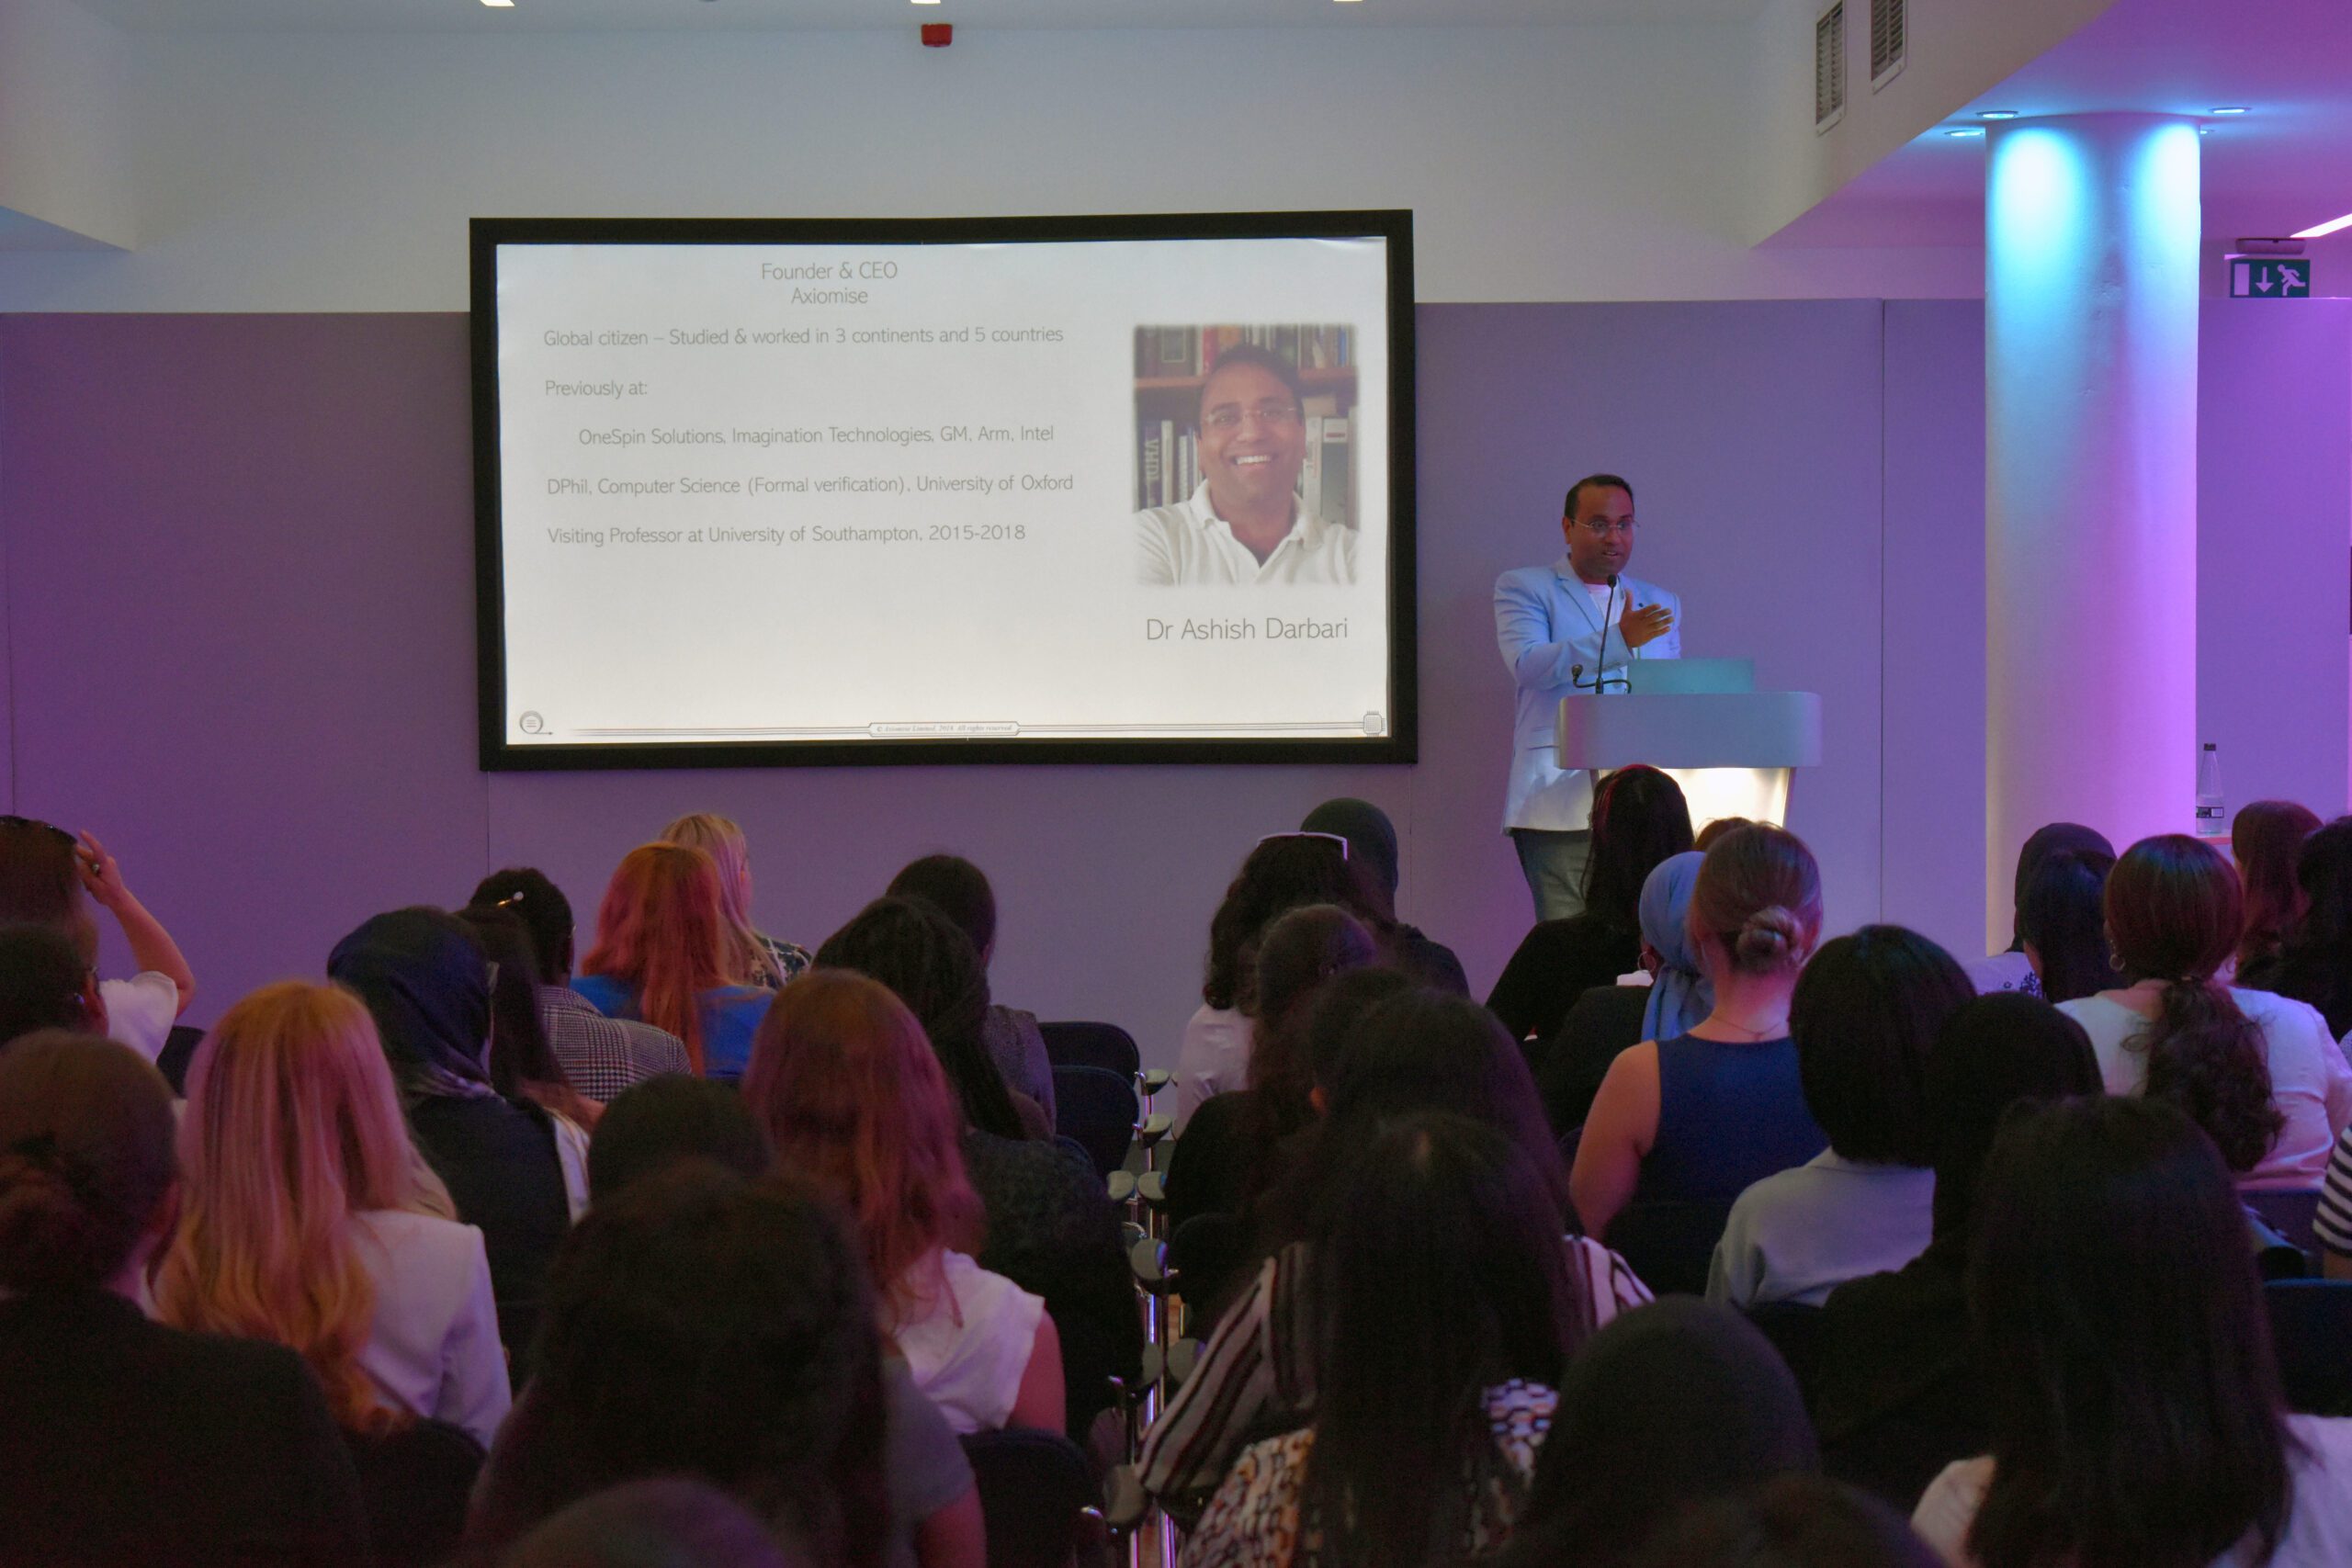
427,987
1671,1405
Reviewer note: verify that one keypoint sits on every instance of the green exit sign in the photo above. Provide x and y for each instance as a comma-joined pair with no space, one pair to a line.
2271,278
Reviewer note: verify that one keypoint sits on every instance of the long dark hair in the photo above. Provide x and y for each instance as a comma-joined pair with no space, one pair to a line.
522,1062
1299,954
2134,1401
2062,915
2173,912
1864,1014
1438,1274
1993,1052
916,950
1639,818
1283,873
2315,962
698,1324
2267,839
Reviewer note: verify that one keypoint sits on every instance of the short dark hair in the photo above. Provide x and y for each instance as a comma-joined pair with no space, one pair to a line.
42,976
702,1325
653,1125
540,905
1865,1015
1593,481
957,888
2134,1402
41,883
1993,1052
1265,359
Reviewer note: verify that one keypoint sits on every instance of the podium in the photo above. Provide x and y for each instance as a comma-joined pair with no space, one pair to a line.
1731,747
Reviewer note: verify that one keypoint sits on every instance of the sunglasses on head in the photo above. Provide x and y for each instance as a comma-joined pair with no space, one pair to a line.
1304,833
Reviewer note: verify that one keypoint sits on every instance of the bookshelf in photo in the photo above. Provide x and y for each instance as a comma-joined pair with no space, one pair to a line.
1172,361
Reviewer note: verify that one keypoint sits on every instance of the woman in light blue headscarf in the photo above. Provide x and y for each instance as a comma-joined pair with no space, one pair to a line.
1679,994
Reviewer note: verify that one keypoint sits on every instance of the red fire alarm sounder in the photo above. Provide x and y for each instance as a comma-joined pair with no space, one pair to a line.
938,35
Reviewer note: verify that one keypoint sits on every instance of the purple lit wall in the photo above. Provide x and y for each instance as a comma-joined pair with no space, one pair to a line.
238,591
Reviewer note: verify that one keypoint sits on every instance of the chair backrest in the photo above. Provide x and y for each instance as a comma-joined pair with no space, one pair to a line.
2310,1324
2292,1211
1083,1045
1032,1487
1096,1109
178,1054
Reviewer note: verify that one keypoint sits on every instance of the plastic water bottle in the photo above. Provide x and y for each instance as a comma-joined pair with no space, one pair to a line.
2212,815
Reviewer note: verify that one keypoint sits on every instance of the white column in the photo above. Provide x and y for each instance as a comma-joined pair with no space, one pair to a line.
2092,225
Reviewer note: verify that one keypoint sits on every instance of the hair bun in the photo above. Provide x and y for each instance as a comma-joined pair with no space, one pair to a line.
45,1227
1767,937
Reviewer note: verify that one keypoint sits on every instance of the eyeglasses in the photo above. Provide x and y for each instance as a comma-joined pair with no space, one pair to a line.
1274,415
1601,527
1304,833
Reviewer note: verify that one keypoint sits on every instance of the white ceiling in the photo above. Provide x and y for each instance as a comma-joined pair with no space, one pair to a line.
564,15
2288,165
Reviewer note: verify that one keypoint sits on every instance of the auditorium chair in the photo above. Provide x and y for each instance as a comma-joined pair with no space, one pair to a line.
1085,1044
2310,1325
2292,1211
1095,1108
1039,1497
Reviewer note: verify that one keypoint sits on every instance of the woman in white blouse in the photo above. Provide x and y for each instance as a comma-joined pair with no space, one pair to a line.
305,1222
2259,1072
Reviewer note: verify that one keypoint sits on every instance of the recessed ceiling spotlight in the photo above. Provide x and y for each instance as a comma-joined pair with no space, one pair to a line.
2320,231
1966,133
2232,108
1998,114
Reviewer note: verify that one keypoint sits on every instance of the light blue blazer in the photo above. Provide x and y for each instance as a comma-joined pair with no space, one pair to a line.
1546,626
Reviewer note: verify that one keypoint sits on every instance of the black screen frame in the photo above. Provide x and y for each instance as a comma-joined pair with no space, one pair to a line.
1395,226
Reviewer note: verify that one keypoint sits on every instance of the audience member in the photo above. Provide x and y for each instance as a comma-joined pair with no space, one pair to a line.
601,1056
665,956
1795,1521
1682,1126
2267,840
1051,1226
1417,1051
856,1104
761,959
523,1063
671,1522
48,877
703,1326
2061,920
2313,963
1284,872
2259,1072
1666,1407
45,983
1226,1156
299,1222
1607,1022
1639,819
127,1441
2010,970
1897,1388
666,1120
2136,1416
1442,1318
960,890
1371,844
510,1169
2333,1221
1710,832
1864,1016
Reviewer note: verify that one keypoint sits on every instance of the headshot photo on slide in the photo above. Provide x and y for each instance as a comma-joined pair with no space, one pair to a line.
1243,460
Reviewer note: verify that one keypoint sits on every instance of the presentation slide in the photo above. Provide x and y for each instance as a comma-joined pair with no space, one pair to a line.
830,492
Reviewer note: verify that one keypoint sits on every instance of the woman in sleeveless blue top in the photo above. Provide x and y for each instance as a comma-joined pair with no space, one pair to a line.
1682,1126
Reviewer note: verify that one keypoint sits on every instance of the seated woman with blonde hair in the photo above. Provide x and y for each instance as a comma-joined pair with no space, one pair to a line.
664,955
858,1106
303,1221
763,960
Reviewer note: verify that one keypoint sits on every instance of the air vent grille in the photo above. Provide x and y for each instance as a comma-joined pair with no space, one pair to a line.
1829,66
1890,38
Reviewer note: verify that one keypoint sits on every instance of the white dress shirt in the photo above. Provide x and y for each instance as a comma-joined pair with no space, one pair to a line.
1189,544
